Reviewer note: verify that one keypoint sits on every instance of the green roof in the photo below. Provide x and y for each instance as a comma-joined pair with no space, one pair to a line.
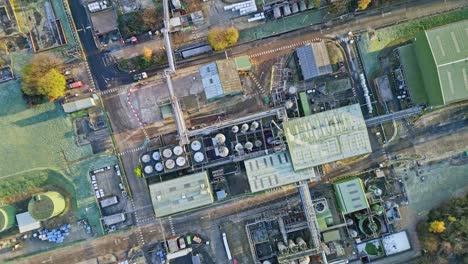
46,205
350,195
327,136
443,58
304,103
7,217
181,194
243,63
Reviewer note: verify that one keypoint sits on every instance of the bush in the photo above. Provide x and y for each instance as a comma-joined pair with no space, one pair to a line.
21,184
220,38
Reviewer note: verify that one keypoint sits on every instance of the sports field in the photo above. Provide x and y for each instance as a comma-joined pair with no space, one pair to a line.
390,37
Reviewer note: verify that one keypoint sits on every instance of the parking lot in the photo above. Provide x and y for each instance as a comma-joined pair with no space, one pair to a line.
111,194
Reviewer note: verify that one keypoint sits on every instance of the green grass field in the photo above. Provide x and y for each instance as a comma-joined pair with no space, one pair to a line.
393,36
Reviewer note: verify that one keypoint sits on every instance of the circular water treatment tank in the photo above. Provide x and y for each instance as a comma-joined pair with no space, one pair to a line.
170,164
254,125
180,161
320,207
244,128
196,145
235,129
239,147
223,151
148,169
156,155
145,158
178,150
248,145
167,153
220,138
159,167
198,157
7,217
46,205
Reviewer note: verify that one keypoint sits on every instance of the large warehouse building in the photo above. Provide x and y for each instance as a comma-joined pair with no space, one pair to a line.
436,64
327,136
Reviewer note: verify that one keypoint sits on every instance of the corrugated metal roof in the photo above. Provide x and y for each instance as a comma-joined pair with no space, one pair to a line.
327,136
229,76
314,60
274,170
211,81
181,194
351,196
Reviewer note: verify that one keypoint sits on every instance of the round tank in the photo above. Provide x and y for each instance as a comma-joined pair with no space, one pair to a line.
292,90
145,158
370,225
159,167
244,128
223,151
377,209
349,222
148,169
198,157
167,153
254,125
258,143
46,205
235,129
180,161
196,145
170,164
178,150
7,217
320,207
353,233
220,139
156,155
239,147
248,145
304,260
289,104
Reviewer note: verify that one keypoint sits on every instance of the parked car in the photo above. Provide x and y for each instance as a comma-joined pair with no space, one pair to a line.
75,85
140,76
70,80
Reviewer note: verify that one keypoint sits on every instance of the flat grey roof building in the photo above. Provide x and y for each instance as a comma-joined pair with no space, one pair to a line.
274,170
26,223
181,194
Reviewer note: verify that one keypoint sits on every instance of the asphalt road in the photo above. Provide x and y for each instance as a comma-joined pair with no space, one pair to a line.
103,76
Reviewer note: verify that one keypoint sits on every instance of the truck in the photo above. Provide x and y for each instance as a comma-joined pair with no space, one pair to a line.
75,85
226,247
140,76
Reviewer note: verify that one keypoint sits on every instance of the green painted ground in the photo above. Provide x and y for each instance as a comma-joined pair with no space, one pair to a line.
394,36
413,73
282,25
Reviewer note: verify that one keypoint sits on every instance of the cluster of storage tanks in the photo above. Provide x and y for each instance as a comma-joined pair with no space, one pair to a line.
286,8
158,161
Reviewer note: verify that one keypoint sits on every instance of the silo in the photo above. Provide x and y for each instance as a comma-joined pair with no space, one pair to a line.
46,205
7,217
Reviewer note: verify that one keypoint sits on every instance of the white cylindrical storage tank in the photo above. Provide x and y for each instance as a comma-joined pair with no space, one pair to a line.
198,157
220,139
196,145
304,260
292,90
258,143
159,167
235,129
248,145
254,125
167,153
291,243
156,155
239,147
170,164
181,161
281,246
178,150
145,158
223,151
244,128
148,169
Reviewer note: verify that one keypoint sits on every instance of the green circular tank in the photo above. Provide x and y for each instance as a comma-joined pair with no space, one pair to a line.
7,217
46,205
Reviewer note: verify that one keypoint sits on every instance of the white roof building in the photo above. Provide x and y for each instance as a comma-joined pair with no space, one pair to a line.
26,223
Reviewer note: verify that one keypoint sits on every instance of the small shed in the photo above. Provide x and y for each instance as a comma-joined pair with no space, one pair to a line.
243,64
26,223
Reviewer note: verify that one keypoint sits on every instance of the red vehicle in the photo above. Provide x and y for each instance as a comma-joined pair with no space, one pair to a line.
75,85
